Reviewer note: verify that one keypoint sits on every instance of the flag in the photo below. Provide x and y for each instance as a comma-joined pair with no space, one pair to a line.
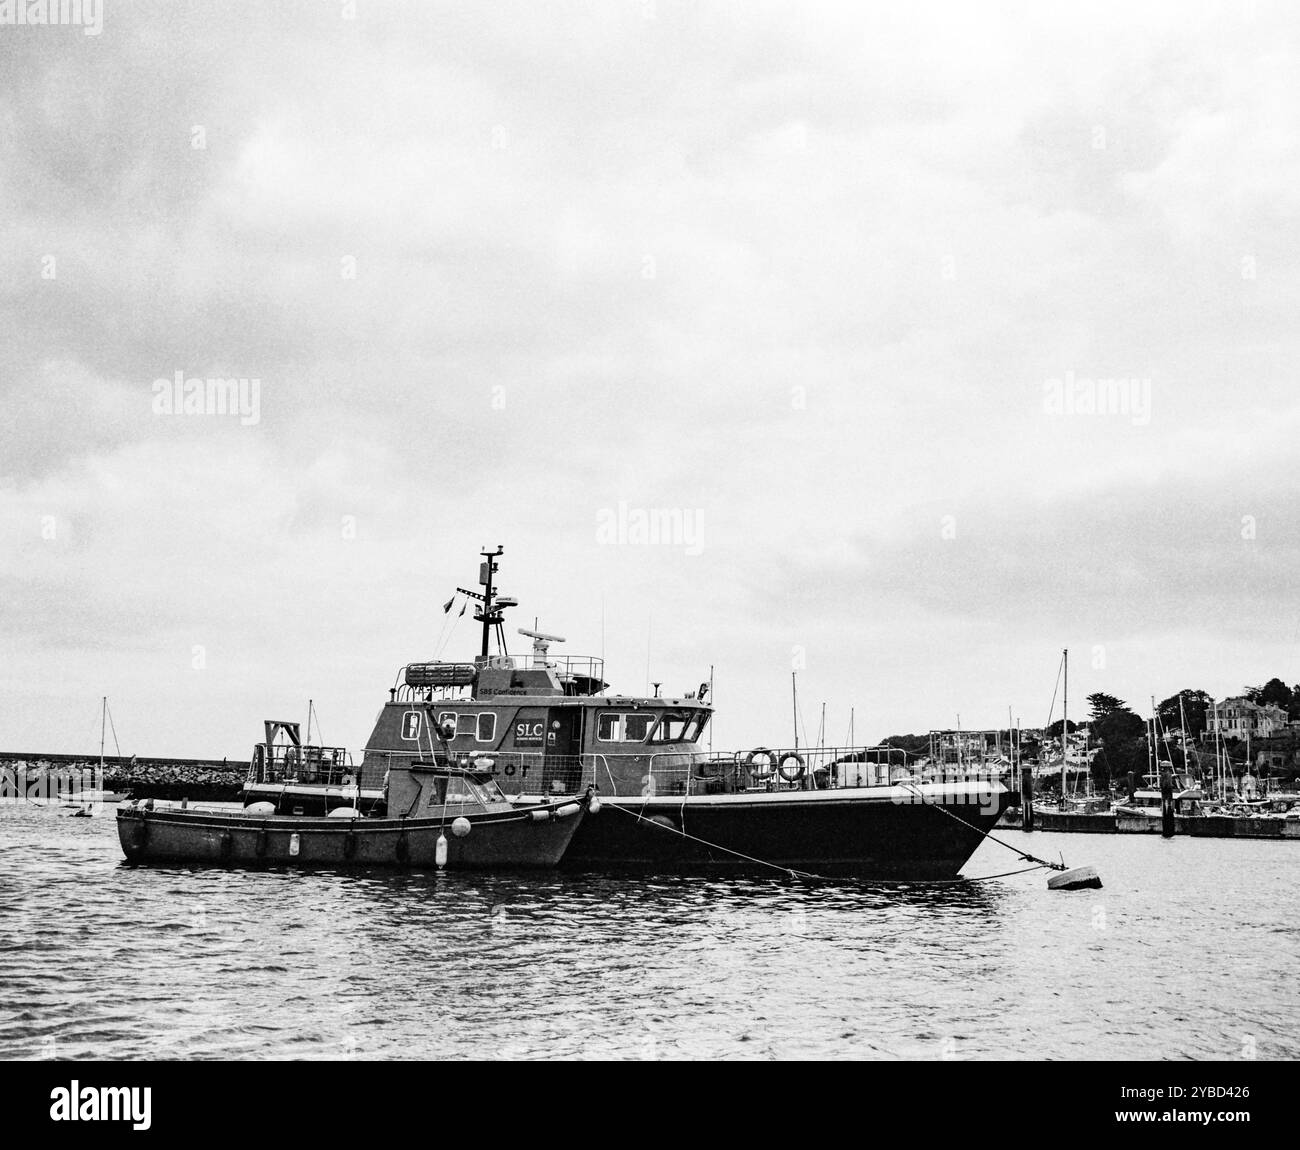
462,608
447,605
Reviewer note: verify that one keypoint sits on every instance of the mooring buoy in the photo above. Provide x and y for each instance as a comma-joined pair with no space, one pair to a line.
1076,878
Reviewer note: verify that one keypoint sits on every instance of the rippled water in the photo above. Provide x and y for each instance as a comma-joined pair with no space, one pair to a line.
1190,951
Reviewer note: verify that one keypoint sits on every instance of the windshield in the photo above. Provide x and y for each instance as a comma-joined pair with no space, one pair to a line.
680,727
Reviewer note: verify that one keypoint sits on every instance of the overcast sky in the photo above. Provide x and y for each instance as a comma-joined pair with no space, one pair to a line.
832,283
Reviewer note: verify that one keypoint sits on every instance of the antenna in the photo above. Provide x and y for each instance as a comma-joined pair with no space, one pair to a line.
541,643
541,635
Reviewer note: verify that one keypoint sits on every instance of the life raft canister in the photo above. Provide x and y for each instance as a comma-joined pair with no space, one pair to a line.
794,773
765,770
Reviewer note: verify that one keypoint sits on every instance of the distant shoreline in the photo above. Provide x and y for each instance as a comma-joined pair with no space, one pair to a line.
143,778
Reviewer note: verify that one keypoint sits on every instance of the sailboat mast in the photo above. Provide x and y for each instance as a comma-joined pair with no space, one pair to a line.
1065,719
1182,719
103,716
794,705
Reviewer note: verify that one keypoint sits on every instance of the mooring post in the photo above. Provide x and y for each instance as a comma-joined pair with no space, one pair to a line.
1026,797
1167,804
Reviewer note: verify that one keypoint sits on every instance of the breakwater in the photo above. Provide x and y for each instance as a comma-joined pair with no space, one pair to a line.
1194,826
47,775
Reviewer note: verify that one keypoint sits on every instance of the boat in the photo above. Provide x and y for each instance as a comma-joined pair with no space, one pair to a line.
308,779
546,725
81,799
1146,802
449,817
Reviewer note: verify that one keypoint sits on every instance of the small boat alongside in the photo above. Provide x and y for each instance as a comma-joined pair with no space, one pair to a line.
304,779
450,817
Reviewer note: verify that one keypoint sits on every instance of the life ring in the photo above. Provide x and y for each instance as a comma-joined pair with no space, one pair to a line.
795,774
765,771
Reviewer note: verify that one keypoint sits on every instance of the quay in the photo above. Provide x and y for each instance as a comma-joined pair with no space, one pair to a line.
1197,826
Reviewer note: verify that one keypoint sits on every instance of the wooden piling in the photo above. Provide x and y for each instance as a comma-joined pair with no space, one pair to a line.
1167,804
1026,798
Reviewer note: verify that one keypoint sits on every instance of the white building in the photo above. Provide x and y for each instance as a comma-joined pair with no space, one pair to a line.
1238,717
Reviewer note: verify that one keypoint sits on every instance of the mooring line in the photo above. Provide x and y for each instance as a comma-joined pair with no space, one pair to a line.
793,873
990,835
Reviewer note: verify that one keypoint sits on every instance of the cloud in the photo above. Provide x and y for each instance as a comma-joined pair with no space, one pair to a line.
803,271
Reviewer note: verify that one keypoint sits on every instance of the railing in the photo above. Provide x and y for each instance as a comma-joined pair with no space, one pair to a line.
681,773
518,772
285,763
566,669
565,666
770,769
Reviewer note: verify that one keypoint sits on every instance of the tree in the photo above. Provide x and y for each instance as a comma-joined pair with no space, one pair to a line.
1102,704
1196,706
1122,736
1274,692
1054,731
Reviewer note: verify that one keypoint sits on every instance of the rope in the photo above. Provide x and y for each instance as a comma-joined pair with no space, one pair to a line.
793,873
990,835
714,846
109,711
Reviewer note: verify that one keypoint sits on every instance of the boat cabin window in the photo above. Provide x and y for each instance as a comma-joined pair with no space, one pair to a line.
460,789
481,727
679,727
466,724
631,728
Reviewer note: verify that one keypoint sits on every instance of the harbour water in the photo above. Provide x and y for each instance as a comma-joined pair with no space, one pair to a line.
1191,951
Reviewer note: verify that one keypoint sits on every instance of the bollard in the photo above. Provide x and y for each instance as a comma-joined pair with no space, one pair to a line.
1167,805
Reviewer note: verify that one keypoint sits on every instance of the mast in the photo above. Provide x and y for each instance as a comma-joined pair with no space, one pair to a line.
1065,721
794,705
103,716
486,572
602,657
1182,719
